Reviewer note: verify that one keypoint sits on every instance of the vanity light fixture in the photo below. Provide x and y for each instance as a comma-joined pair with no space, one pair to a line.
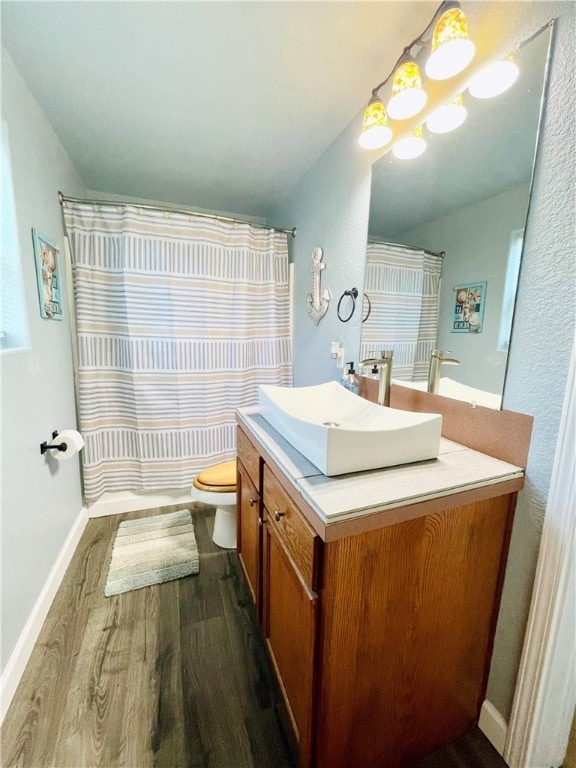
408,97
448,117
375,130
494,79
452,51
410,147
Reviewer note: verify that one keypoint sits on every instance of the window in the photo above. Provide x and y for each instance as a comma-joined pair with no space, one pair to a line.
510,285
13,320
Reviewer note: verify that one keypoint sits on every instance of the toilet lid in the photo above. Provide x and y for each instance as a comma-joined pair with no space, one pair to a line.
221,478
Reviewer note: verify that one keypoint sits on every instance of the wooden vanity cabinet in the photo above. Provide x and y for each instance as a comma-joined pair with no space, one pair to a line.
380,639
407,615
290,627
290,606
248,532
249,516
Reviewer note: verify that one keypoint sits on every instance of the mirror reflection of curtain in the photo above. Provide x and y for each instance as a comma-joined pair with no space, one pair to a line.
179,318
403,286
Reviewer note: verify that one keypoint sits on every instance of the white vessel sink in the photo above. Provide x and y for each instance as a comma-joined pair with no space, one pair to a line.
340,432
458,391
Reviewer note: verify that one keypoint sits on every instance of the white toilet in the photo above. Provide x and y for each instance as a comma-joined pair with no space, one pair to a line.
217,486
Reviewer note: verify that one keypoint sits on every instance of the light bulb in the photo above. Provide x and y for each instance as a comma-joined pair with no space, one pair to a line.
410,147
452,51
408,98
494,79
375,137
375,129
447,118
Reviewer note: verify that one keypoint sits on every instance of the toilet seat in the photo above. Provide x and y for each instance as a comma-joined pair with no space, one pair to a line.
216,486
220,478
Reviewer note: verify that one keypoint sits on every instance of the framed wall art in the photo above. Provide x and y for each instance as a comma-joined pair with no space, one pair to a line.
468,314
48,277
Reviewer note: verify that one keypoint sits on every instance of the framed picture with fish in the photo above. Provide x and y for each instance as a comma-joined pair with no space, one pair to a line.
469,301
48,277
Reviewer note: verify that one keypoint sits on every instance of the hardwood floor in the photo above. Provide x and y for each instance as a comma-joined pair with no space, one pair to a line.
166,676
470,751
169,676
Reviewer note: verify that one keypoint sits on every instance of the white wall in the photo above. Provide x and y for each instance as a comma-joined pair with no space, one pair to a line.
40,500
330,208
476,240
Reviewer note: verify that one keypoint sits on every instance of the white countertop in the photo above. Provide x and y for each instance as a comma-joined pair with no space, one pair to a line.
457,468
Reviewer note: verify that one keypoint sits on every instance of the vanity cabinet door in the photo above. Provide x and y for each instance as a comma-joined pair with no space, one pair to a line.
290,619
249,533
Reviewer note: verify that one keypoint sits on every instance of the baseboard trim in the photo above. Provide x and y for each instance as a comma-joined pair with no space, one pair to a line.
131,501
493,726
19,658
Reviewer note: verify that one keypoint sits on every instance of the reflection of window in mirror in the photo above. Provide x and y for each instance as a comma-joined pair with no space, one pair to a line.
13,325
510,283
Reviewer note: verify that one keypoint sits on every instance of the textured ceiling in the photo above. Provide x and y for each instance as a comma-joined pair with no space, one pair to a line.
211,104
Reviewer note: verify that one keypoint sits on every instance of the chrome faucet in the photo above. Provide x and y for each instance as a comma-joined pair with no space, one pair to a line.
384,362
437,360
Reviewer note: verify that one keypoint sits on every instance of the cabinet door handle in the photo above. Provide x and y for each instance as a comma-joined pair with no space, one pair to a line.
278,515
252,501
260,522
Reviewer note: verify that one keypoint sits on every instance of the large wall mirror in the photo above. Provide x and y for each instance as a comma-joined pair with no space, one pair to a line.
445,241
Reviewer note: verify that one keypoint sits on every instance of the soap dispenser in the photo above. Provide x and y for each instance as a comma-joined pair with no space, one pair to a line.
349,379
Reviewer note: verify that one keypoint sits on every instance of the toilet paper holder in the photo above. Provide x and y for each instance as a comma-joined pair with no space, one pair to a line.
45,447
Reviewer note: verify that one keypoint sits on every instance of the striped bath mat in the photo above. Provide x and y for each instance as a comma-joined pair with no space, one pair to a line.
152,550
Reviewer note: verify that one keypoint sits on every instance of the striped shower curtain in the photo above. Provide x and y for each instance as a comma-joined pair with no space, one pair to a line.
403,286
179,318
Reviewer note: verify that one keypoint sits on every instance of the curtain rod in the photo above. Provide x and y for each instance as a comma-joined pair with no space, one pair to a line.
440,254
64,198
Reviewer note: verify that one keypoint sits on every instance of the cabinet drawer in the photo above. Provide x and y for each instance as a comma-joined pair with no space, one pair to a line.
293,531
249,456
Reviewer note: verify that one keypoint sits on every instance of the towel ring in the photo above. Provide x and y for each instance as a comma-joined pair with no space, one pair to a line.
353,293
369,307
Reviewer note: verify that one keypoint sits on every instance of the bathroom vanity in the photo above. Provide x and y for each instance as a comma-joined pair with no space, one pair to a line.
378,591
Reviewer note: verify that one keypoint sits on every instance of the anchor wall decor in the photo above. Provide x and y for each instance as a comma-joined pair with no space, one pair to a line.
316,304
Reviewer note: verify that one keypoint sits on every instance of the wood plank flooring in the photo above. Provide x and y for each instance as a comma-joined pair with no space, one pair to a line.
470,751
169,676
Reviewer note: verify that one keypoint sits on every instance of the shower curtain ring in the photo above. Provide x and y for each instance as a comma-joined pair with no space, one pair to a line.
365,295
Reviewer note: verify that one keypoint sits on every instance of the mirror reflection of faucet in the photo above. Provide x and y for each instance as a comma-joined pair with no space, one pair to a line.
437,360
384,362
